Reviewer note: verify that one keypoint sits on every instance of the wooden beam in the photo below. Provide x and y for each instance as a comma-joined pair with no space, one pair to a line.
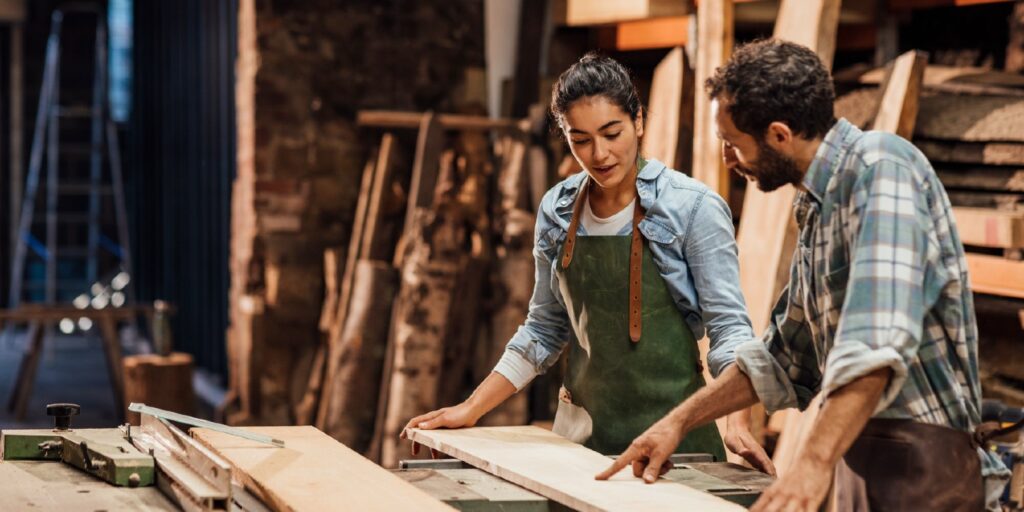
714,46
1015,47
972,118
669,117
399,119
646,34
992,153
995,275
429,143
897,111
562,471
597,12
989,227
313,472
902,5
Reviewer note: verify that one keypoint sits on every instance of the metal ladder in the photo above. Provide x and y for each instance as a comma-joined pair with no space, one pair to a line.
102,135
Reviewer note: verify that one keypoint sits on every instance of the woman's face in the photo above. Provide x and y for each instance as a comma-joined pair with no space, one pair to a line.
603,139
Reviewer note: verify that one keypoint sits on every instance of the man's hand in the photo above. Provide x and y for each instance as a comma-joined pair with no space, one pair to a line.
462,415
741,442
802,489
649,453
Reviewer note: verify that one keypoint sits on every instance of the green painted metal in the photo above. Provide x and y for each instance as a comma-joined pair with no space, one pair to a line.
102,452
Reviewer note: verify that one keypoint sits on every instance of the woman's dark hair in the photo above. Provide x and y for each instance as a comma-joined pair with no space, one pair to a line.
771,80
595,75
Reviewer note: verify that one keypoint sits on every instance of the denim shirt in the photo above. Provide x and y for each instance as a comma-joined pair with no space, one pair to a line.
690,233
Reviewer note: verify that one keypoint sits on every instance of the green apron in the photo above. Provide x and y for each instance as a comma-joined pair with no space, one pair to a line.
614,389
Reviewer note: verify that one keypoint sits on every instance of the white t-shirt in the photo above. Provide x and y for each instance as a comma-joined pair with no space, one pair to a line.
609,226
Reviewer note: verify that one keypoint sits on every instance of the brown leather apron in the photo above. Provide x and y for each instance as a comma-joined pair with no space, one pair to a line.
903,465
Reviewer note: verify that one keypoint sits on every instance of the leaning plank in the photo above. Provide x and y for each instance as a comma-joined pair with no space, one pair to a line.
313,472
561,470
988,227
669,115
996,276
715,39
897,112
767,233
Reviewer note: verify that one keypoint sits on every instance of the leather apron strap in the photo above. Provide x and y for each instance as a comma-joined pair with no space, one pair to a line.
635,257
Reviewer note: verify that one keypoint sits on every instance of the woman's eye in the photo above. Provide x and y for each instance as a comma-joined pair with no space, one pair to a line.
578,142
612,135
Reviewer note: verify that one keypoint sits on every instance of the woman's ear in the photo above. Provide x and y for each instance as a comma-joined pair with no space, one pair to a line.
638,123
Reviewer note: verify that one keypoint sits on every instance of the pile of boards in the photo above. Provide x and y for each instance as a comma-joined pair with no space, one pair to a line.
435,280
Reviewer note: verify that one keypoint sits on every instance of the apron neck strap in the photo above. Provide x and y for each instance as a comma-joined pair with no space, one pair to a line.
635,256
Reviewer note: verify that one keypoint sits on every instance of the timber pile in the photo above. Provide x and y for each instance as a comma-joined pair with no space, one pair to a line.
407,319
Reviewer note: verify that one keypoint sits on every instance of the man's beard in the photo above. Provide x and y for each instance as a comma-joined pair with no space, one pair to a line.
772,169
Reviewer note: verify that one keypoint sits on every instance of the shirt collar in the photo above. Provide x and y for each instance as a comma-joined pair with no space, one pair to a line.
826,159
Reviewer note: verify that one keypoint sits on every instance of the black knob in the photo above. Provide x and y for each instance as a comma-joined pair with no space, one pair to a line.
62,414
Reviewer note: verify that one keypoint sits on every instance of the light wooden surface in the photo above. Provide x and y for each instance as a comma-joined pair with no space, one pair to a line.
996,275
668,112
989,227
651,33
715,40
313,473
563,471
897,111
595,12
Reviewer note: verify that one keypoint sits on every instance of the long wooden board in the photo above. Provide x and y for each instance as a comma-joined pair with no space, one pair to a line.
668,113
995,275
715,40
314,472
988,227
563,471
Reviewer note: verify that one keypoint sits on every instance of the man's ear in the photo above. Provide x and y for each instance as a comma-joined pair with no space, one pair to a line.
778,135
638,123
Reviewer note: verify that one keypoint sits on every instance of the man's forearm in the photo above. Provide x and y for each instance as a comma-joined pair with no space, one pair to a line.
841,419
730,392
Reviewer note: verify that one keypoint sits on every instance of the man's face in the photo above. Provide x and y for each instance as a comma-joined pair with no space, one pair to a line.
752,157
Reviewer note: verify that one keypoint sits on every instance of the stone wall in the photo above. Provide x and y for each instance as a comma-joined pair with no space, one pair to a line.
304,69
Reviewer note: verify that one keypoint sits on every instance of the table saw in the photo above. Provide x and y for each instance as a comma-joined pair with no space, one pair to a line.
116,469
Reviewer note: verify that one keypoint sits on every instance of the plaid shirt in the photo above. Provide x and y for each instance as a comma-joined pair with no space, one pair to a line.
878,280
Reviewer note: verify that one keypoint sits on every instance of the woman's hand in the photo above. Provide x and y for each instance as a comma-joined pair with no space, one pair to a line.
462,415
740,441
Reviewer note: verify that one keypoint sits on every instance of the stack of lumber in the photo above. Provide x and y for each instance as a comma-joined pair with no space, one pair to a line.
407,319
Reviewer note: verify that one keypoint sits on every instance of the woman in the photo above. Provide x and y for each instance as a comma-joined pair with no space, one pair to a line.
634,261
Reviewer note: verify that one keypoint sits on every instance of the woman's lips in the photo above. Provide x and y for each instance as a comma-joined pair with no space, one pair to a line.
603,169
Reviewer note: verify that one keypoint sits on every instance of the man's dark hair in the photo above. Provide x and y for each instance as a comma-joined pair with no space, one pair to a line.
595,75
771,80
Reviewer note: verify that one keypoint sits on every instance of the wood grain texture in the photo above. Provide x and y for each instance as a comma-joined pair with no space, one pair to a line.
595,12
988,227
971,118
897,111
669,122
563,471
715,41
995,275
52,486
313,473
993,153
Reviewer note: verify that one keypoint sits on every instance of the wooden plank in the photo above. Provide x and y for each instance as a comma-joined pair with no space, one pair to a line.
429,143
767,232
995,275
597,12
399,119
534,24
648,34
897,111
990,179
714,46
993,153
971,118
989,227
1015,47
901,5
669,123
938,75
159,381
561,470
313,472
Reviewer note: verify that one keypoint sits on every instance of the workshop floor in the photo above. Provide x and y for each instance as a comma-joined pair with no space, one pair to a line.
72,369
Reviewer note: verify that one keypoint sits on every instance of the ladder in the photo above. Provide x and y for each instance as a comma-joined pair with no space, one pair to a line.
69,243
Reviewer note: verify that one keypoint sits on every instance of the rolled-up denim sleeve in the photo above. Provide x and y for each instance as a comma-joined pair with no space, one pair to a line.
537,343
711,253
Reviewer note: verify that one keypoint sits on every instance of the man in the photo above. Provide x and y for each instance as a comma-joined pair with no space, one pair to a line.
877,316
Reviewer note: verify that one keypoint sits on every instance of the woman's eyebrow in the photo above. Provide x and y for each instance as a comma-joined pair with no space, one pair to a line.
609,124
